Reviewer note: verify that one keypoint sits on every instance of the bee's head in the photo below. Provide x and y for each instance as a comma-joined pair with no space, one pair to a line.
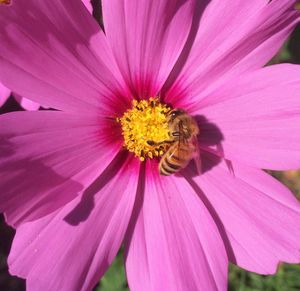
175,113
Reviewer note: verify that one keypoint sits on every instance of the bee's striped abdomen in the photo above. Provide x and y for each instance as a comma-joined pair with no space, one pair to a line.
175,159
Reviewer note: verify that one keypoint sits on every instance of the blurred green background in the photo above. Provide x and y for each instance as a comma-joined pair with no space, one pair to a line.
287,277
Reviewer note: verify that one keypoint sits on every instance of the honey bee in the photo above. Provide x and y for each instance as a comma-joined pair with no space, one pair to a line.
183,148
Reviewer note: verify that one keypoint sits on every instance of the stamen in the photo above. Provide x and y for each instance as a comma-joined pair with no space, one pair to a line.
145,127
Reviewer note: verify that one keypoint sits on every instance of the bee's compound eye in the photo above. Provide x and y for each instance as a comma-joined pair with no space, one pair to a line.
176,112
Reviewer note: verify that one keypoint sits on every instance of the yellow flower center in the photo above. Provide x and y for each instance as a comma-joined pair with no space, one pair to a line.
145,121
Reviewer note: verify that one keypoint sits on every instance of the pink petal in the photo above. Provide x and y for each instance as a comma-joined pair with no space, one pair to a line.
55,253
47,158
258,116
147,38
88,5
232,37
64,62
173,243
4,94
260,217
26,103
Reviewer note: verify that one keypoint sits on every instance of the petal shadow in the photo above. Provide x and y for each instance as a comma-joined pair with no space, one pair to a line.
210,137
86,205
214,215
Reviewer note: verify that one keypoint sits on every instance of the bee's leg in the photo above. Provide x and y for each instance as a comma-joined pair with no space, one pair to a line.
176,133
153,143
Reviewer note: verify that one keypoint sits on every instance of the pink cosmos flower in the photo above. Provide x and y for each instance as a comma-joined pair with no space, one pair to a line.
75,195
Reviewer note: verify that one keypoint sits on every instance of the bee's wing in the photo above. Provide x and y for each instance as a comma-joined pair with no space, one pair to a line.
185,148
181,144
196,154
